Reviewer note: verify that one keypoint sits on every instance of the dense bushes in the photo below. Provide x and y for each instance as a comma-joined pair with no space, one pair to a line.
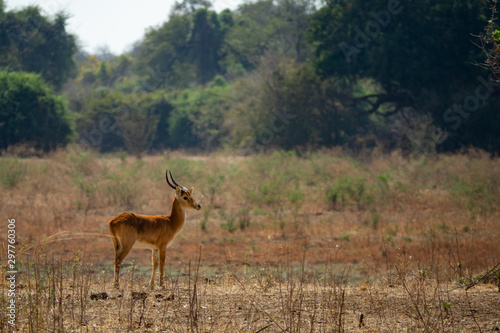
270,75
31,114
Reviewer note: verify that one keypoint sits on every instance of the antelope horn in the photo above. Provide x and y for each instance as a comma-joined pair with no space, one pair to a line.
170,172
166,176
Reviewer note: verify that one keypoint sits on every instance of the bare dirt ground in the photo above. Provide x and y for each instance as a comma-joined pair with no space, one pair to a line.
238,301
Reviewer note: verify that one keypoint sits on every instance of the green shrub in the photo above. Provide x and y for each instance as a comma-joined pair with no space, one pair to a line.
296,196
348,191
243,218
384,180
229,224
204,221
345,237
214,185
32,113
121,190
87,185
278,177
11,172
443,227
83,162
477,196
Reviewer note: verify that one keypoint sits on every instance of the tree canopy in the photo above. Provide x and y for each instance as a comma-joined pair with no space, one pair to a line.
288,74
30,113
32,42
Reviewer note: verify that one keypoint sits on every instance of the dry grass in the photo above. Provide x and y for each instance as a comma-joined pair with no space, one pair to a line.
282,243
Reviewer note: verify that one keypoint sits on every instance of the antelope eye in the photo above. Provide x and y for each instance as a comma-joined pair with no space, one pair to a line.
185,198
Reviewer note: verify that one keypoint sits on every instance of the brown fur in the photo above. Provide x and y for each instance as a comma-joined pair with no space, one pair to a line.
153,231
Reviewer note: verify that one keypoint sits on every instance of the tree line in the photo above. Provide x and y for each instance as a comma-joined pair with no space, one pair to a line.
287,74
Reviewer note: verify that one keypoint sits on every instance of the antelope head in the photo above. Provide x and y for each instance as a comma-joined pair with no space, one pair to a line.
182,194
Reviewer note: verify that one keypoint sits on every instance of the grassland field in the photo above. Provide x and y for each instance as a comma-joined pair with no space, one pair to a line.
324,242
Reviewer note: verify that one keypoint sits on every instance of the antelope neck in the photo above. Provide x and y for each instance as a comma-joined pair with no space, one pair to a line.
178,214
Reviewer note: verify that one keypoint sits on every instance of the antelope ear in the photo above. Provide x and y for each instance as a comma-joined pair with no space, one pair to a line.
191,190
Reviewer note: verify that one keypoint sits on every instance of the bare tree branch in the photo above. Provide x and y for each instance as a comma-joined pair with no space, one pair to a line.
489,44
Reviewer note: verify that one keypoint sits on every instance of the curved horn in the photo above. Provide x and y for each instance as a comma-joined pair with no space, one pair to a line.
170,172
166,176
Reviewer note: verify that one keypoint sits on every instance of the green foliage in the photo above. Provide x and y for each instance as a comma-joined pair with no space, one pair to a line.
414,66
496,35
88,185
203,112
205,43
121,188
214,181
32,42
164,52
187,168
244,219
476,195
83,162
114,72
392,230
138,123
204,221
277,178
229,220
12,170
345,237
271,74
350,190
396,47
196,44
384,179
446,306
375,221
291,106
190,6
135,122
187,48
443,227
31,113
181,129
296,195
262,26
122,191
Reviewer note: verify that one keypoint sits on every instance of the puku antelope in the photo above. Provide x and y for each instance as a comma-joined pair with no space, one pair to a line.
154,232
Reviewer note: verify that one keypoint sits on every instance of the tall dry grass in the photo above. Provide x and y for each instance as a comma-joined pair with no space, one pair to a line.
283,243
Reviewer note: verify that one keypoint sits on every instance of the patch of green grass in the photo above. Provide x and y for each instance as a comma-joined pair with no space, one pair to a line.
393,230
215,181
185,170
477,195
120,190
375,220
204,221
83,162
12,170
350,191
278,179
345,237
296,196
88,185
243,218
443,227
229,220
384,180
